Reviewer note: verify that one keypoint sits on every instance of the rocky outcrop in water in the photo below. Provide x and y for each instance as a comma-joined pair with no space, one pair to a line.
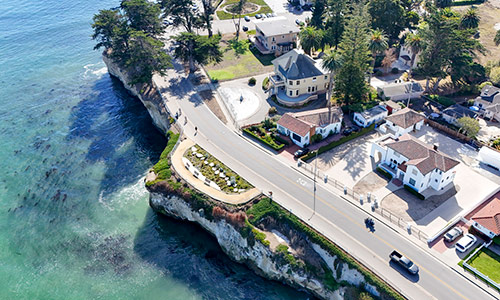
148,94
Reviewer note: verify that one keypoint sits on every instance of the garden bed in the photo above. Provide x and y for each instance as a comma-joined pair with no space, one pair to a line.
212,168
265,132
224,14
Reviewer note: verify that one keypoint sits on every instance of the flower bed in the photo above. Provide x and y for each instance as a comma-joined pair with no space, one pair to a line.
212,168
264,133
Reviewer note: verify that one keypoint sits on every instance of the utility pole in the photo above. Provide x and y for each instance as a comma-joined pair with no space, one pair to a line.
314,184
410,87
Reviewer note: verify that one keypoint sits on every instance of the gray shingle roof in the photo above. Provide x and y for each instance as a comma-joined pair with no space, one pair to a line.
296,65
458,111
405,118
372,112
276,26
396,89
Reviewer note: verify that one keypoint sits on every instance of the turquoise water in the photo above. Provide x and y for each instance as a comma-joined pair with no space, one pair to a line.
74,148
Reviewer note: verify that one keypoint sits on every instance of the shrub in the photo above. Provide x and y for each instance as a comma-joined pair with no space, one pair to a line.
445,101
252,81
271,144
280,139
316,138
384,173
272,110
414,192
394,70
261,237
379,73
268,123
265,83
482,85
495,76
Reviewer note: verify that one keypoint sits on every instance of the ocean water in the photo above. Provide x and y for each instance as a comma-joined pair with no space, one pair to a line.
74,149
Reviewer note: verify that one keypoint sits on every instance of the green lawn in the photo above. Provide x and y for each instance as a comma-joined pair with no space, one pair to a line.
488,263
240,61
222,15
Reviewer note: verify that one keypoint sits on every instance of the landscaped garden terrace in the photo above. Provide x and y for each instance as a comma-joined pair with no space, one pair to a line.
265,132
214,170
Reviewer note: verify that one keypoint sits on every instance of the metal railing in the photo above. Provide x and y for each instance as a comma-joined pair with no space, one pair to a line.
358,198
477,272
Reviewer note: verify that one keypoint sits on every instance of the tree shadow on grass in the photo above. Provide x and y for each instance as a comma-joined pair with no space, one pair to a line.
265,60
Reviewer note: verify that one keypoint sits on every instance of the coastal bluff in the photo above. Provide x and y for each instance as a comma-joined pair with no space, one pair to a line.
148,94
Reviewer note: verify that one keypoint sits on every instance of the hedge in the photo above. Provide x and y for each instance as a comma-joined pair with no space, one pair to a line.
162,167
466,2
258,138
267,208
334,144
384,173
412,191
441,100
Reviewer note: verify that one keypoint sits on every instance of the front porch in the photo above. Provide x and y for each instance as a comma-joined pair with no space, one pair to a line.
299,100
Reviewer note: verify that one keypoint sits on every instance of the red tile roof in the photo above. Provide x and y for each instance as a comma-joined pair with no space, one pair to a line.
421,155
489,215
405,118
298,126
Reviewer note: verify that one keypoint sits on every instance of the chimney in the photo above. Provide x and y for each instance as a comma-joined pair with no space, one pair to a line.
435,147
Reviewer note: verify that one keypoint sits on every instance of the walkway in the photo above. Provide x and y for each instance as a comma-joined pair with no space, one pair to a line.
180,169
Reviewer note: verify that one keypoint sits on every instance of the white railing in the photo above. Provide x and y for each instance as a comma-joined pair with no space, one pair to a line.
476,271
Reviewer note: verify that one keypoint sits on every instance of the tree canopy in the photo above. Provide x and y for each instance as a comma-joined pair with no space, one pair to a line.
388,16
130,36
310,39
192,48
469,126
350,83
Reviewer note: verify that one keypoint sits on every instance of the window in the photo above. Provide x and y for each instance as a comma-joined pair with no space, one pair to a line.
296,137
412,181
326,77
422,185
440,172
291,93
273,47
290,82
274,40
447,177
308,89
296,92
282,36
314,79
435,180
298,82
414,172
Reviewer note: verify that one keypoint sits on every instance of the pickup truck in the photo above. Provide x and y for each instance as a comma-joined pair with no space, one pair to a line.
404,262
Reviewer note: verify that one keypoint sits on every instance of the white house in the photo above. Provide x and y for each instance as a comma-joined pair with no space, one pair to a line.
486,217
405,55
402,122
414,163
455,112
370,116
400,91
489,102
301,126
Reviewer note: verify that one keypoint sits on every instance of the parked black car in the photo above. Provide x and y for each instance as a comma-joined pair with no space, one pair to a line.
301,152
350,130
245,28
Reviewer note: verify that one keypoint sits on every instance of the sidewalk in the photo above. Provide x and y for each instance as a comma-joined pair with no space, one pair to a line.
234,199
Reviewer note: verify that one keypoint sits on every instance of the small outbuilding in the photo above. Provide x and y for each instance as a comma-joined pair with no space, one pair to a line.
403,122
370,116
400,91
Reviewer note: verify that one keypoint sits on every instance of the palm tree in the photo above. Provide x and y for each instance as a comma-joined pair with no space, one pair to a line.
378,44
415,43
470,20
331,62
497,38
310,39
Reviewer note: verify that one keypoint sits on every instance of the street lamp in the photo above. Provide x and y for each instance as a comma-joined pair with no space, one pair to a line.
314,184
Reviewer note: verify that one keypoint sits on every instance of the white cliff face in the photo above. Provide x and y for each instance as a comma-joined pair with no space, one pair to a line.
153,103
258,256
347,274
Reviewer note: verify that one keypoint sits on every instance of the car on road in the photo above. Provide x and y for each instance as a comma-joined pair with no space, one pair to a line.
269,15
258,16
404,262
465,243
247,18
349,130
245,28
453,234
298,22
263,16
301,152
274,15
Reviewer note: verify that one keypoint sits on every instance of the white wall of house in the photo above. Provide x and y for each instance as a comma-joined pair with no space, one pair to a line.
450,119
361,121
483,229
405,50
399,131
325,131
304,140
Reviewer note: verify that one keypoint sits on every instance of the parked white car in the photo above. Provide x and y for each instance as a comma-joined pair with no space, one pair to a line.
466,242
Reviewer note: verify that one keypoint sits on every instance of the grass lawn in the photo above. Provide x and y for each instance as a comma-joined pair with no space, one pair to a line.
223,15
490,15
488,263
239,61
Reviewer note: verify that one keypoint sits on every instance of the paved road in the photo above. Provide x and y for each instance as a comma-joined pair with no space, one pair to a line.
336,218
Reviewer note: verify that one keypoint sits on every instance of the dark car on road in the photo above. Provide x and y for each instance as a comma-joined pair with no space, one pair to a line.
404,262
349,130
247,18
301,152
245,28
